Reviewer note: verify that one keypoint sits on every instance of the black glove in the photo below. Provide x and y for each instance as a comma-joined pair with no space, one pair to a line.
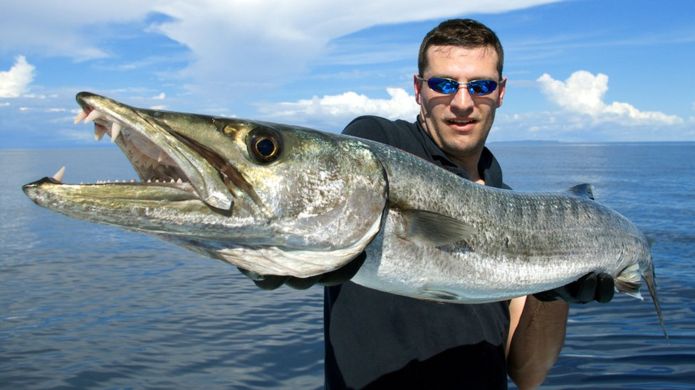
594,286
341,275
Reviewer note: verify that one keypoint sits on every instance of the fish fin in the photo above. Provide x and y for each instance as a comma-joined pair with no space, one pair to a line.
439,295
434,229
629,281
582,190
648,276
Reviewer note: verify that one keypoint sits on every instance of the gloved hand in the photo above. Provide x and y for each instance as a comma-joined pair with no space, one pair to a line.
594,286
341,275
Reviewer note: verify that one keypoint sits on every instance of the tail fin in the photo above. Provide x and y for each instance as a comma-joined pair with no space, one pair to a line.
629,281
648,276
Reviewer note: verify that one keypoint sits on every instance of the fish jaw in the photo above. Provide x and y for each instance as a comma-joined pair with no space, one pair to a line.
201,187
154,208
154,150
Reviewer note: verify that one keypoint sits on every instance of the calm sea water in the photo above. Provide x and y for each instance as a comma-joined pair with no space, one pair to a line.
91,306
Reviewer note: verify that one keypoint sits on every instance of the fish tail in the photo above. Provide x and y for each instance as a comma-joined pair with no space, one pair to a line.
629,281
648,276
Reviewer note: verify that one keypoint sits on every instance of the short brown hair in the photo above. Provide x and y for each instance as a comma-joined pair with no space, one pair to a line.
467,33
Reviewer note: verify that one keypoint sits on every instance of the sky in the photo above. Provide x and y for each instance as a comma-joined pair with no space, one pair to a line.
578,70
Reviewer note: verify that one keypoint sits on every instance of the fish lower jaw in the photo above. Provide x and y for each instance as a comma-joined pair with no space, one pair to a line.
177,182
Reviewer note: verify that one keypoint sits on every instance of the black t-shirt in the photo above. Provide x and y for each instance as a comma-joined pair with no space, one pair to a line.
375,339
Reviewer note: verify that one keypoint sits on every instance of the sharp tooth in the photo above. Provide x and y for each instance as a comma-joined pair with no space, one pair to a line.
94,115
99,132
115,131
161,156
80,116
59,175
179,180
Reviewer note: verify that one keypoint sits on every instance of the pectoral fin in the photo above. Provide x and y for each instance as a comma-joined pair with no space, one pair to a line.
629,281
435,229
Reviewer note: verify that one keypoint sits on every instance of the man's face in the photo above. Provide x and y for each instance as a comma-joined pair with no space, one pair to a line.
459,123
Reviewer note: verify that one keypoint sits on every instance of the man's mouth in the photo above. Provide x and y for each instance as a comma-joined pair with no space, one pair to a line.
460,122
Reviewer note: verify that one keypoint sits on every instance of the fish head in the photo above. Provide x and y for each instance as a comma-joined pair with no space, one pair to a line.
272,199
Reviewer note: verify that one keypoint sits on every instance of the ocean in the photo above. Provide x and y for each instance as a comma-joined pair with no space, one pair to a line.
92,306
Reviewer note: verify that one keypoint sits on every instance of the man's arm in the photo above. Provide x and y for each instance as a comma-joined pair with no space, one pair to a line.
535,344
537,325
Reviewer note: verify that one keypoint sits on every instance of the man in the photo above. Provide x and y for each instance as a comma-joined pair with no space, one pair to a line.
375,339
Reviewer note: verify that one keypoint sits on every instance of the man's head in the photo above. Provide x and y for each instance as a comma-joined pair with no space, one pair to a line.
459,117
460,32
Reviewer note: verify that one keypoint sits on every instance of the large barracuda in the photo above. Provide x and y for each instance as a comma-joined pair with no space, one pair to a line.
283,200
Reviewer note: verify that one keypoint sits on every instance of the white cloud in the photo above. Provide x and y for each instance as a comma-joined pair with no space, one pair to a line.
161,96
240,44
234,44
336,109
583,93
65,28
568,127
14,82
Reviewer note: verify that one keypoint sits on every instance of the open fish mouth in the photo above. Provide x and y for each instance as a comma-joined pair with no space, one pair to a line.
159,154
152,163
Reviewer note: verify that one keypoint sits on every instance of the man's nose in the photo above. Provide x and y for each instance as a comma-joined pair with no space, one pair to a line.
462,100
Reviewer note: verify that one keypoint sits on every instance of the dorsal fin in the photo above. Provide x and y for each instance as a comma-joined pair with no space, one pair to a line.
582,190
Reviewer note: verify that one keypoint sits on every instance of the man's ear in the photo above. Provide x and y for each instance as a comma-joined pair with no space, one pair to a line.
417,86
503,89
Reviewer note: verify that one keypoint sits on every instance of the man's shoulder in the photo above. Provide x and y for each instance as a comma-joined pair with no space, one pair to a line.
391,132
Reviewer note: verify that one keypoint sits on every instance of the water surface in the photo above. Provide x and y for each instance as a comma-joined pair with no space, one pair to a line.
92,306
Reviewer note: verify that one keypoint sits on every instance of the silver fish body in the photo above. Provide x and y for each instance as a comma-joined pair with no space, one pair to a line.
283,200
451,239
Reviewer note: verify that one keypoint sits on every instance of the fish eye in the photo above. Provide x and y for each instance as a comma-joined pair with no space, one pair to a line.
264,144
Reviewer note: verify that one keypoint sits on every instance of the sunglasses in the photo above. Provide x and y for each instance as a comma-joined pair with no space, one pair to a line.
450,87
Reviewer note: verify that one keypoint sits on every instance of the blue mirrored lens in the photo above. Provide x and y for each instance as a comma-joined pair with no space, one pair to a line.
449,86
481,87
442,85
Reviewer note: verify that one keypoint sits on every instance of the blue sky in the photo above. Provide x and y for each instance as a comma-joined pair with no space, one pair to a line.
578,70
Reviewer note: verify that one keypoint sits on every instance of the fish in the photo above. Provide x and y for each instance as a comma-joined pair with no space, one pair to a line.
277,199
